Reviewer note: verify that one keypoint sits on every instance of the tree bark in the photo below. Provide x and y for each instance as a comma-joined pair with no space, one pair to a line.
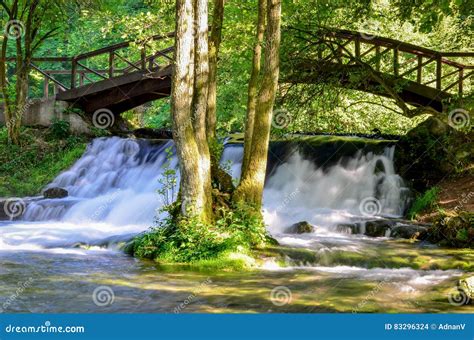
250,189
253,86
188,121
214,44
199,109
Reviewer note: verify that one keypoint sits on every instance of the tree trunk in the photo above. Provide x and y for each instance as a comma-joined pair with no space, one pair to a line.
4,88
191,186
253,86
199,109
250,189
214,44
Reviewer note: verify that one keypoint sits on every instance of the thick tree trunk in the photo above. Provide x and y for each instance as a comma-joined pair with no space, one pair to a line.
253,85
214,44
199,109
193,201
250,189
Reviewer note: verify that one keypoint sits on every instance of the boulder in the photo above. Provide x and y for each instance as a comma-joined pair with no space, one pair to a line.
407,231
301,228
55,193
467,286
378,228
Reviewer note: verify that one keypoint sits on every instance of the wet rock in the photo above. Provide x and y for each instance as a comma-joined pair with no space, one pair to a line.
55,193
301,228
451,229
407,231
467,286
149,133
348,228
378,228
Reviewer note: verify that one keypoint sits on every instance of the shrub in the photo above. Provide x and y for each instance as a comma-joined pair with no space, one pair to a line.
188,240
59,129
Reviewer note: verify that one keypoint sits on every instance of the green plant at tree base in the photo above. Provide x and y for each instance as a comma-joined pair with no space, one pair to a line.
186,240
422,203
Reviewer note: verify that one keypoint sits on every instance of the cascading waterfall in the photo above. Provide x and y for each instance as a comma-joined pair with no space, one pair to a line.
113,193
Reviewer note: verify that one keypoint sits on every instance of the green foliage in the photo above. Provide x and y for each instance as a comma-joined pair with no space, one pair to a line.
424,202
59,129
26,169
168,181
189,240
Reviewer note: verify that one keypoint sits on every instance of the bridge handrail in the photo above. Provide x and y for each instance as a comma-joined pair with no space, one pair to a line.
404,47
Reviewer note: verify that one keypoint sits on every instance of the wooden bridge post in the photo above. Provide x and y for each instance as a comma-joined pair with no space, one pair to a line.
377,57
143,58
46,88
461,76
111,64
357,48
438,71
419,69
73,73
395,61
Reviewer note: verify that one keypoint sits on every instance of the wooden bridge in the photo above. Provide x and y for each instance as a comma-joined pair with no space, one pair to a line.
118,77
407,73
125,75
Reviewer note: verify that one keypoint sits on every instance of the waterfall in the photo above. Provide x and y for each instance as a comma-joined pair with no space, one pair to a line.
113,191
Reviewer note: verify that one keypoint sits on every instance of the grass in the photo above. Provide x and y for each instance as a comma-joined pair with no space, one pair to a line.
42,155
424,202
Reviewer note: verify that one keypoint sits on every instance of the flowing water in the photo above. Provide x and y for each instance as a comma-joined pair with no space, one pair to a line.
62,250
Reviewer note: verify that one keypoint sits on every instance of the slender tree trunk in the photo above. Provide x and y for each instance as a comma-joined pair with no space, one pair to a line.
214,44
4,88
250,189
199,109
253,85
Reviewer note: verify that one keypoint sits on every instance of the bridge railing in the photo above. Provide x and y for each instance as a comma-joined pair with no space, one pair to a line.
449,72
65,73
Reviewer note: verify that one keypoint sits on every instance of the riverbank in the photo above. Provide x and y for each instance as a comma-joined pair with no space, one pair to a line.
44,153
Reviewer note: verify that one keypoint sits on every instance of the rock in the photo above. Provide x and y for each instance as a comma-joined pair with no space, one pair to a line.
467,286
301,228
12,208
407,231
348,228
55,193
378,228
149,133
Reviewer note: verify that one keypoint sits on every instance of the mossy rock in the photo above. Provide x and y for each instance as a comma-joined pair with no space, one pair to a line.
301,228
431,151
452,229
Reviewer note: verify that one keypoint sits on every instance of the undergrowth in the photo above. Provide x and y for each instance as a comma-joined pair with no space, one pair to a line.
424,202
25,169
